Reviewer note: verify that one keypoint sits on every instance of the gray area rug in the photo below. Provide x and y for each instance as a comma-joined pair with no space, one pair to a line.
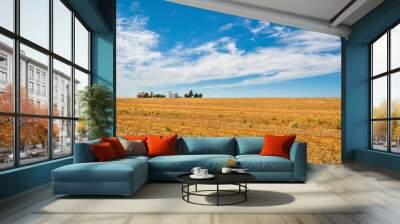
166,198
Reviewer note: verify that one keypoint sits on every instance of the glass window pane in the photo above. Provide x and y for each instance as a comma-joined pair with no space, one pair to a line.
379,55
62,89
34,72
395,136
379,97
81,45
6,74
7,14
62,29
81,131
379,135
35,21
81,82
62,138
395,94
6,142
395,47
33,140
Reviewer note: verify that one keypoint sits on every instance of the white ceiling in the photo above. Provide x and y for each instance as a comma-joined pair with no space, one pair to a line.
317,15
320,9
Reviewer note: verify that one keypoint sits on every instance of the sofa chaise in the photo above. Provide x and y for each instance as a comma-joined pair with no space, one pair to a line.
125,176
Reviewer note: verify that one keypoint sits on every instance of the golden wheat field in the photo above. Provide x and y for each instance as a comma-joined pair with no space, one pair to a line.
314,120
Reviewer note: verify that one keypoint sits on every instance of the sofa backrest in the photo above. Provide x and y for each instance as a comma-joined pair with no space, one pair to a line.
83,152
249,145
206,145
191,146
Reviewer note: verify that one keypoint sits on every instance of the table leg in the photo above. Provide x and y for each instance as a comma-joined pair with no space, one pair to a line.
182,189
195,188
188,190
217,194
245,193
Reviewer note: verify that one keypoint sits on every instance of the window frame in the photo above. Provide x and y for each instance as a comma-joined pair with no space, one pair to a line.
3,74
16,114
388,74
3,70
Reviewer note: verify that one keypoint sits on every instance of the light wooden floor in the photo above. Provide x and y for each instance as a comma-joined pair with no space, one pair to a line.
379,189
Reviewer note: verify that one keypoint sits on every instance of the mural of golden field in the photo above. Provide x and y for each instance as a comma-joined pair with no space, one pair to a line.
314,120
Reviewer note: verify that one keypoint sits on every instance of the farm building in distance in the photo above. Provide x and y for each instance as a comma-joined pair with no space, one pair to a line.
173,95
142,95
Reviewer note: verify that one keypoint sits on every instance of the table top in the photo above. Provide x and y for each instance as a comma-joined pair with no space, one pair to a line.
220,178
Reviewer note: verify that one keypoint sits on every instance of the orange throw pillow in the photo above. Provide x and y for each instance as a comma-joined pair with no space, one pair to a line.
277,145
103,152
116,145
161,145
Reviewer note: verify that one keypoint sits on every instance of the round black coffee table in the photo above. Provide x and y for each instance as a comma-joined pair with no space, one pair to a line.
238,179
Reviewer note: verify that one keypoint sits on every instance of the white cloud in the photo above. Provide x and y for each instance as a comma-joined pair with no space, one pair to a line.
135,6
135,44
226,27
310,41
262,27
140,64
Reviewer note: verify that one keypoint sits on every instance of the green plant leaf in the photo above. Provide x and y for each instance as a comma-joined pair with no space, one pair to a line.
97,102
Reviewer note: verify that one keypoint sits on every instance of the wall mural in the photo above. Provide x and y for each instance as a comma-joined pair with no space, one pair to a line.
196,72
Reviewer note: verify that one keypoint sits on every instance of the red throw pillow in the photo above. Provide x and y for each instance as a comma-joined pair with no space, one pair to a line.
161,145
103,152
277,145
116,145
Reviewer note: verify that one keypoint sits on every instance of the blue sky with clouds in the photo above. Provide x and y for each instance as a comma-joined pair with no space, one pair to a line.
162,46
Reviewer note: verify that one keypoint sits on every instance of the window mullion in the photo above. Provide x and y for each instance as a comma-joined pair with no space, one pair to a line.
89,54
16,85
371,140
50,81
389,104
73,82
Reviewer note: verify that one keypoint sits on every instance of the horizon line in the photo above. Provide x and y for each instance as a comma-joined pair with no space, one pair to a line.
277,97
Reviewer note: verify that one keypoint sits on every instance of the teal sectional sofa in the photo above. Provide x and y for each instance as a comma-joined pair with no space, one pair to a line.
125,176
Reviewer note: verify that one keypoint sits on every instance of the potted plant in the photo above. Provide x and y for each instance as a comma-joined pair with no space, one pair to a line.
96,102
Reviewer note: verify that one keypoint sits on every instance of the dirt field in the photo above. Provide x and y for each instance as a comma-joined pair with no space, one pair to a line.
314,120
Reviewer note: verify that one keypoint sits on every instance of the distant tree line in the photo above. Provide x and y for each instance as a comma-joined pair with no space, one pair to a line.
150,95
190,94
156,95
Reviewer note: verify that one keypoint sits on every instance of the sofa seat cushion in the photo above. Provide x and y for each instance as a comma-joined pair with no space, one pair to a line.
112,171
185,163
133,157
257,163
